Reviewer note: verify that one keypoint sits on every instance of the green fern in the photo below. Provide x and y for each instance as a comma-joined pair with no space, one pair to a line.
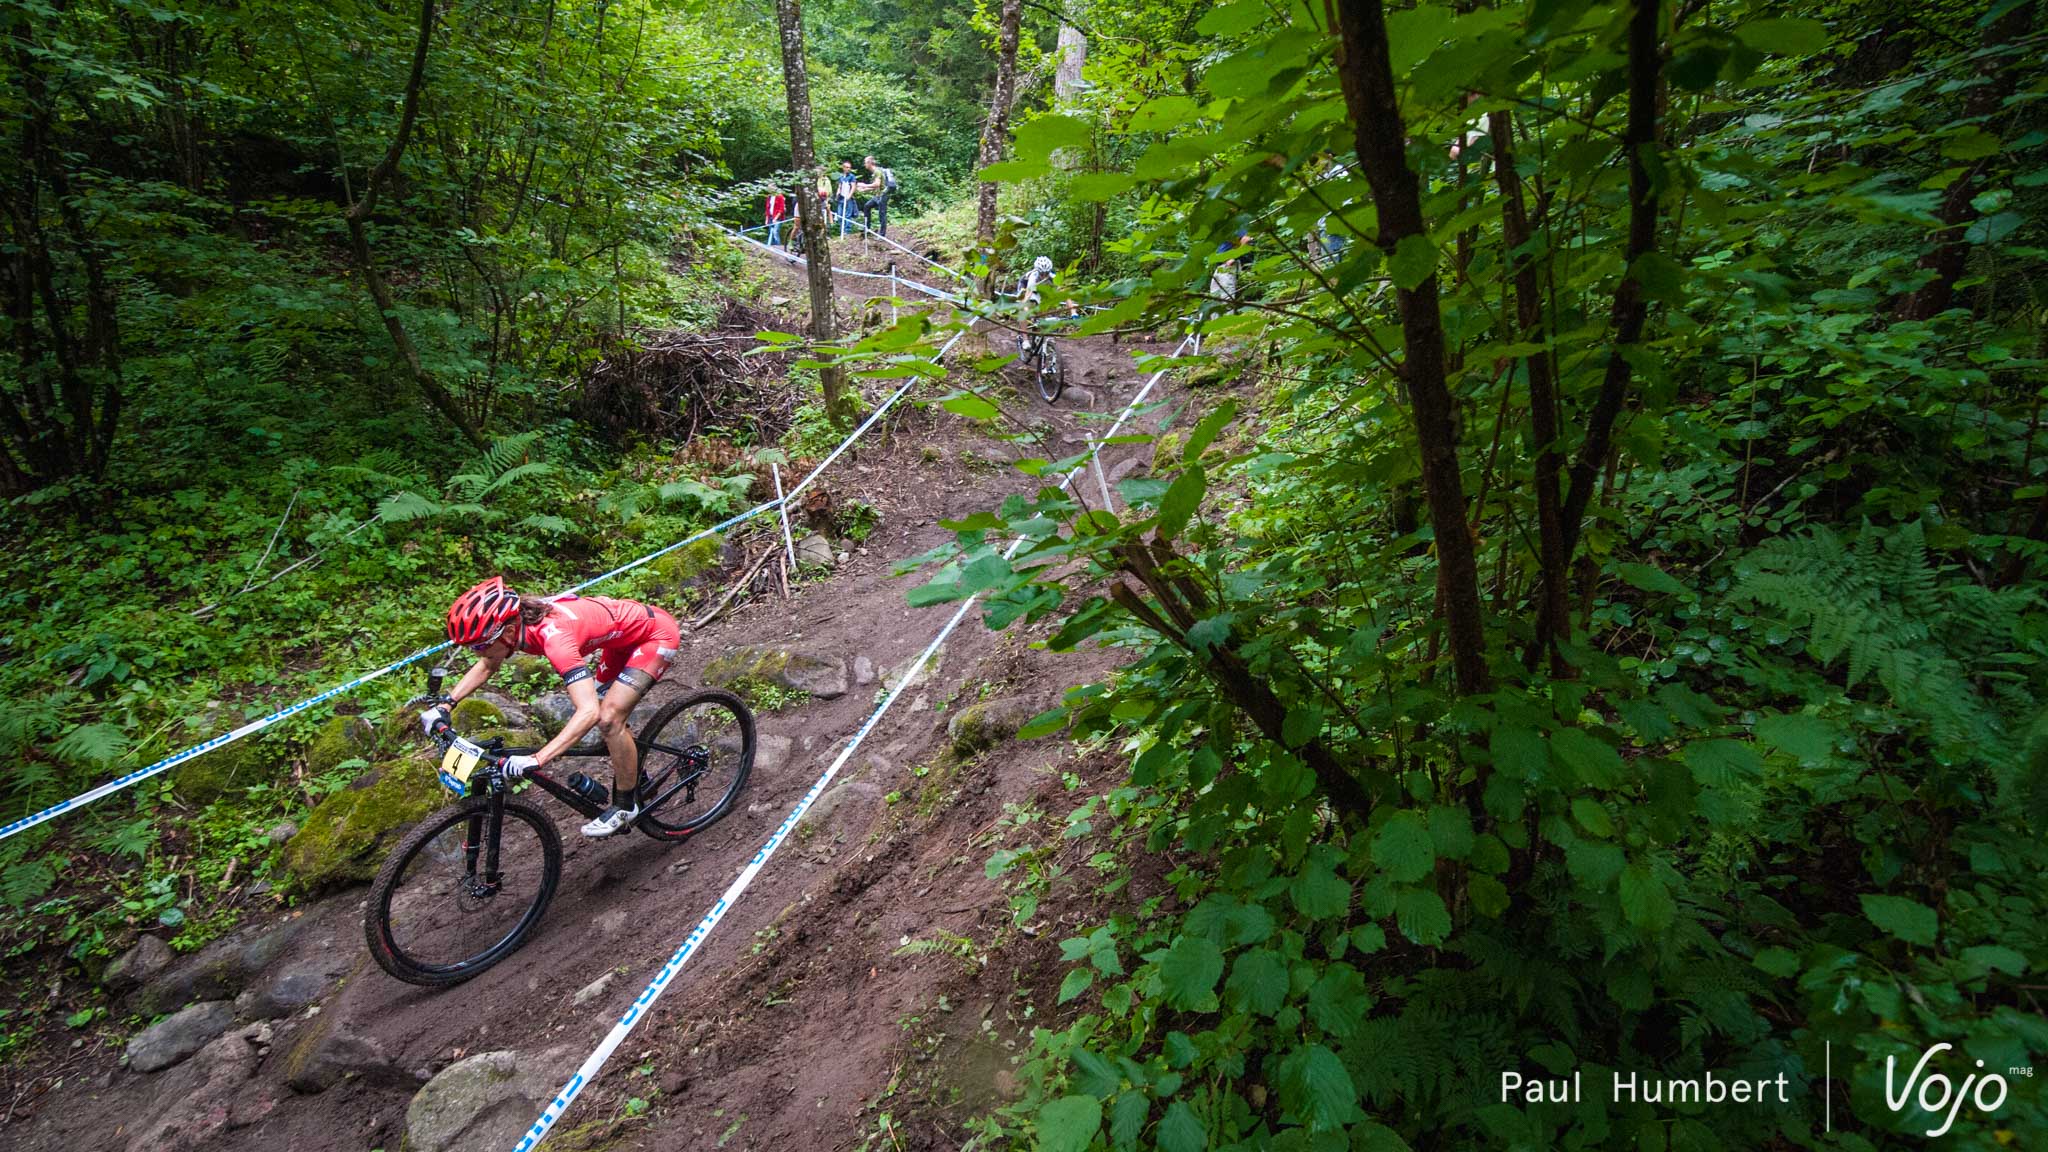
1883,609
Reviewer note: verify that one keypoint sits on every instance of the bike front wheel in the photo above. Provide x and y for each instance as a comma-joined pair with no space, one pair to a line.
438,914
1052,375
695,757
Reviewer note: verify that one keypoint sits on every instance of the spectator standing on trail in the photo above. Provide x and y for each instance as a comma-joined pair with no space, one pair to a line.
847,181
1223,282
880,182
778,209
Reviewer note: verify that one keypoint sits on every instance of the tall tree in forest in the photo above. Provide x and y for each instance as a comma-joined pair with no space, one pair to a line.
1073,57
359,241
810,207
62,422
1366,71
996,136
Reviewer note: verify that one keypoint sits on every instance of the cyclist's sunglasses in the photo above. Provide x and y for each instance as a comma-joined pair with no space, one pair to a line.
484,646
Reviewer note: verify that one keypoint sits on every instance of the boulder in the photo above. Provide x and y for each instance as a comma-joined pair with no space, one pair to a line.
475,714
149,956
893,675
821,676
171,1040
841,800
201,1098
1124,468
215,972
343,837
770,752
690,565
291,987
329,1053
815,551
553,710
592,990
485,1101
513,711
340,740
251,760
981,725
863,670
525,675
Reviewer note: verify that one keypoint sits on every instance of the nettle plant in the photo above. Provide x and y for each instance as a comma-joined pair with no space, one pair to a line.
1542,662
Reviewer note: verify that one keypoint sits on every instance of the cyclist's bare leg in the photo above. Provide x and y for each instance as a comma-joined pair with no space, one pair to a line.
612,715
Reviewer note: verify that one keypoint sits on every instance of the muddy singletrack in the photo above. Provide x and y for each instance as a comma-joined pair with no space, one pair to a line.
789,1024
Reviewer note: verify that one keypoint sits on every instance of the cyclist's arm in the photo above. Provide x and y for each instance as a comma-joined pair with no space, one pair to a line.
583,694
484,668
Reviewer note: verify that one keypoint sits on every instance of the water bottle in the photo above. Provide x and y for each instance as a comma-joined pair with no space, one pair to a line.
589,789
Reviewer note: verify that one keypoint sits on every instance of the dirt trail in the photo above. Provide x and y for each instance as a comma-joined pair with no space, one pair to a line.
789,1022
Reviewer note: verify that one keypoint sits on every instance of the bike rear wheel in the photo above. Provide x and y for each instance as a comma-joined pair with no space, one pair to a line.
695,757
434,920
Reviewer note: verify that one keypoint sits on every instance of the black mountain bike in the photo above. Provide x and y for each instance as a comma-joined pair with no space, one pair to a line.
1039,353
467,886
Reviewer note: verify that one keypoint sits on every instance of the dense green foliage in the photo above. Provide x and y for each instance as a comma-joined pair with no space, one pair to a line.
1769,778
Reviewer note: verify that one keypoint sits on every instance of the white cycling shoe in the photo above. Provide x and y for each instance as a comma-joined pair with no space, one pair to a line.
613,820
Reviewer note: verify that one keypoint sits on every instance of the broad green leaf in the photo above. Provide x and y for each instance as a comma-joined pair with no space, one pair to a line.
1069,1123
1178,506
1520,752
1421,916
1650,579
1258,981
1909,920
1181,1131
1206,431
1785,35
1320,893
1777,961
1302,724
1095,187
1592,816
1662,281
1808,739
1044,724
1231,19
1719,763
1127,1119
1645,900
1315,1087
1338,1001
1414,33
1489,896
971,406
1189,971
1450,831
1403,847
1041,136
1078,981
1593,761
1413,262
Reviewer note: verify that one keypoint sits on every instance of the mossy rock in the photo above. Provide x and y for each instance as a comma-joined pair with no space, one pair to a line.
1166,452
821,676
525,676
399,732
691,561
985,724
340,739
253,759
474,715
343,839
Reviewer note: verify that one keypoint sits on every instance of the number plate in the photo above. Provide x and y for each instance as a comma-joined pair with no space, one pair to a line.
458,763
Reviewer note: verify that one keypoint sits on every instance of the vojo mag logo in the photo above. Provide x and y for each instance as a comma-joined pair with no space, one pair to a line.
1942,1098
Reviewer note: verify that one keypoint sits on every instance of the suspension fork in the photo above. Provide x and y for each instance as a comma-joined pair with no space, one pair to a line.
496,826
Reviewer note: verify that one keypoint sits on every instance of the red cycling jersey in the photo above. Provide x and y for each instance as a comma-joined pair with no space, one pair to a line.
629,634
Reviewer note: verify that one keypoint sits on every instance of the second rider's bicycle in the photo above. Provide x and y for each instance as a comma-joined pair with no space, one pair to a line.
1039,353
467,886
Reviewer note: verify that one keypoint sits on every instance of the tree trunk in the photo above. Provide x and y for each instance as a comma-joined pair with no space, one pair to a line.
1631,309
1997,77
996,136
810,208
1365,69
1552,557
359,241
1073,57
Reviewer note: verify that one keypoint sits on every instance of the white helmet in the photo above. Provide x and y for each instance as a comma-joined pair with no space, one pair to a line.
1042,265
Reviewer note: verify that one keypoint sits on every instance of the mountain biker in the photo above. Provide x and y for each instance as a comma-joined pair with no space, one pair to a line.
1042,273
634,643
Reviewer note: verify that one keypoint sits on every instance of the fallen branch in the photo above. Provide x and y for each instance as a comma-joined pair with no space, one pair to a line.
733,591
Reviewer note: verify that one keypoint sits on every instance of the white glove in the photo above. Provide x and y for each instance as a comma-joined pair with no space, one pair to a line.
433,718
517,766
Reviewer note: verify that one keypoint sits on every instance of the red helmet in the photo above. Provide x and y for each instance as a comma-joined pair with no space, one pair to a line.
481,611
